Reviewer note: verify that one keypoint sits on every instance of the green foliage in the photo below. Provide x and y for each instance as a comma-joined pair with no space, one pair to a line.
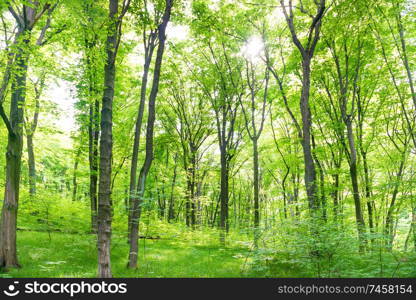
362,74
50,212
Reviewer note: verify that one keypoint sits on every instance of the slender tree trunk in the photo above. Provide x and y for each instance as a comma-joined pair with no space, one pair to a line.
295,182
138,126
74,181
171,211
136,209
32,165
224,195
256,191
310,172
354,182
30,132
322,197
335,196
94,133
305,132
94,120
369,202
188,187
388,227
192,174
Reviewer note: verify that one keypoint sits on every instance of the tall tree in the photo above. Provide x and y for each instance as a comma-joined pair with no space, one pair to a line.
26,18
106,142
345,76
307,51
141,182
254,117
192,123
150,41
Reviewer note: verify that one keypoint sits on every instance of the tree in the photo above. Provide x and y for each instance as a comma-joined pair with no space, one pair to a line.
26,19
106,141
253,129
141,182
150,41
307,51
192,124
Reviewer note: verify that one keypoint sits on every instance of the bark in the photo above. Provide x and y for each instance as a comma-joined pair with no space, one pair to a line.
191,186
355,189
310,172
171,211
335,196
370,203
256,190
30,14
93,134
8,255
224,195
106,146
140,189
149,49
32,165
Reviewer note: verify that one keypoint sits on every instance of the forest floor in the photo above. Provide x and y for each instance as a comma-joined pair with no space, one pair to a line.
54,254
180,252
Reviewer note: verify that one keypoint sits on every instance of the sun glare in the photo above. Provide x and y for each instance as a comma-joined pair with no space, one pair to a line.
177,32
253,48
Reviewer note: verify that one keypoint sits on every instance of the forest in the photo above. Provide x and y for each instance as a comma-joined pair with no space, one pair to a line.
208,138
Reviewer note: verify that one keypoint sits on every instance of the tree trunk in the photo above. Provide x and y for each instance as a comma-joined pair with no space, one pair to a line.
354,182
224,196
310,172
106,148
8,255
256,191
171,211
369,202
388,228
192,186
335,196
94,133
32,166
94,119
137,200
138,125
74,181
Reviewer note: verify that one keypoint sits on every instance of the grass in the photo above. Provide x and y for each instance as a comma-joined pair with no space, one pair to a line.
75,255
184,253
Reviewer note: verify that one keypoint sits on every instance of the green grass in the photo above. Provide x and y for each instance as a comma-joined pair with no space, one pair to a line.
75,255
184,253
